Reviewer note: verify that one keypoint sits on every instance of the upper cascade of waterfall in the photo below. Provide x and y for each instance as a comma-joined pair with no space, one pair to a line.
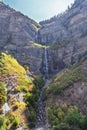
46,62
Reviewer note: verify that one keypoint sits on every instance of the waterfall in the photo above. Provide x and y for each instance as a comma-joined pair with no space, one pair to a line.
41,114
5,107
46,62
42,118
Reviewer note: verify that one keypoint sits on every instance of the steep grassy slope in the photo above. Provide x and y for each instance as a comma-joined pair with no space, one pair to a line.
66,78
67,99
10,67
22,93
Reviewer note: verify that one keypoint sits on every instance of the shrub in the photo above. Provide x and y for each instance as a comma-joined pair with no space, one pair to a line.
15,121
17,104
83,123
56,127
66,118
39,82
59,44
2,123
2,93
73,116
32,117
12,120
32,124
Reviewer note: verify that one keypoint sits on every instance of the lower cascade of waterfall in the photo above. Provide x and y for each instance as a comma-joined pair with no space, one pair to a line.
5,107
42,118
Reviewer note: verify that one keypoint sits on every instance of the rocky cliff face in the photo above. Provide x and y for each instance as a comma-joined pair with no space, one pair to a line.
15,26
17,36
67,35
70,25
66,56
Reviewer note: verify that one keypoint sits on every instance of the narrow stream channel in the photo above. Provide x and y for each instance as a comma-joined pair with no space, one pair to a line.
42,120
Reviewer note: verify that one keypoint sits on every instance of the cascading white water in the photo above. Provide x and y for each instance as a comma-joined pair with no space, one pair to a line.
6,107
46,62
41,114
42,119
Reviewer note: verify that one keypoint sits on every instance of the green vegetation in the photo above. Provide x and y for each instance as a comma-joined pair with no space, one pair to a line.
15,121
58,44
2,93
12,121
29,86
63,116
40,45
2,123
39,82
65,79
66,118
32,98
32,117
16,105
36,27
10,67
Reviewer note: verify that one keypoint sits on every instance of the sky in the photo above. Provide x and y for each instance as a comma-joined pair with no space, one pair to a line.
39,10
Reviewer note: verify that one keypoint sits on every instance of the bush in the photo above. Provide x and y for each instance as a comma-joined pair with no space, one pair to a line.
84,123
32,116
2,93
32,124
17,104
73,117
56,127
2,123
61,126
12,120
15,121
66,118
39,82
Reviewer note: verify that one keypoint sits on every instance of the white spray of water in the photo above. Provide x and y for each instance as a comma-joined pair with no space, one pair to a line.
46,61
5,107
